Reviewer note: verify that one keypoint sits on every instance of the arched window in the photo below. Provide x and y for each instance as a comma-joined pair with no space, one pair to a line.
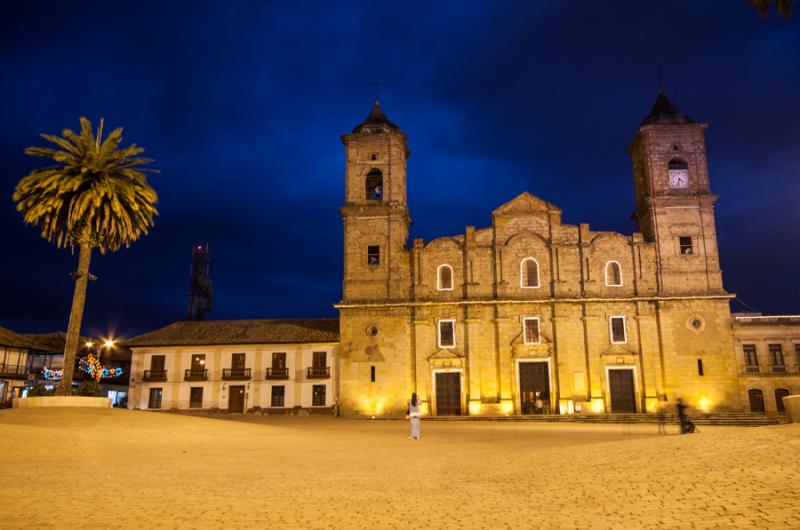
678,173
677,163
780,393
756,400
613,274
375,185
529,273
444,280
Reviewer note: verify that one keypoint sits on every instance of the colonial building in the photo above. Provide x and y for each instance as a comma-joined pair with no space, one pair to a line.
22,360
484,321
275,366
768,359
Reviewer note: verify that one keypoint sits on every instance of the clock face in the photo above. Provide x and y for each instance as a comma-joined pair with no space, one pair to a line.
678,178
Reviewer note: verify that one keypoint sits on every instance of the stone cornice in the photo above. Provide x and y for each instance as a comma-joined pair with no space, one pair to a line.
723,296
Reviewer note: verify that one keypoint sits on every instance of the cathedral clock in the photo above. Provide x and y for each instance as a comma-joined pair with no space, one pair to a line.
678,178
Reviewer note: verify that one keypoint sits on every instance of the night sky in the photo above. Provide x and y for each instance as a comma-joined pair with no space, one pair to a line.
242,104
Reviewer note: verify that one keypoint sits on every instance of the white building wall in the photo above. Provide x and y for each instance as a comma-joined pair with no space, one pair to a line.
176,391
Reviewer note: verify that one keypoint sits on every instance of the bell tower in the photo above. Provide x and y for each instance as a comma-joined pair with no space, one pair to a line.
375,213
674,203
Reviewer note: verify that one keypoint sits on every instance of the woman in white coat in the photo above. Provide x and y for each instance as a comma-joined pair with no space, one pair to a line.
413,416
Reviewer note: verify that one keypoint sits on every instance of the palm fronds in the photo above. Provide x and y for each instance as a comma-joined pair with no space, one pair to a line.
96,190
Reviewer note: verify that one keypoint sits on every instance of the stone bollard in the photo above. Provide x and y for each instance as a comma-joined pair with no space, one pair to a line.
792,406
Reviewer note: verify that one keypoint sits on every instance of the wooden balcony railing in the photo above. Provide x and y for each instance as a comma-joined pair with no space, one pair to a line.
777,369
13,369
277,373
751,369
236,374
155,375
195,374
318,372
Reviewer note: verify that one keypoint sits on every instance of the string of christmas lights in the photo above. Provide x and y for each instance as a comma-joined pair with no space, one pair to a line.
91,365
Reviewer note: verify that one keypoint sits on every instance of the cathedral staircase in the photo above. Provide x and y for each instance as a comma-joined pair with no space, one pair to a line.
740,419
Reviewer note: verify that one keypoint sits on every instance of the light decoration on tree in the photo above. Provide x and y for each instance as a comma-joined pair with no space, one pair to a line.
52,375
91,365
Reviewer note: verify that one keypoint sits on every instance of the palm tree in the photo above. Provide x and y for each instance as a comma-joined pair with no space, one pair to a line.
96,195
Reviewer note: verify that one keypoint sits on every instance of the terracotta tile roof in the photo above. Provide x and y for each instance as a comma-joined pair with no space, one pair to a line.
201,333
56,341
10,339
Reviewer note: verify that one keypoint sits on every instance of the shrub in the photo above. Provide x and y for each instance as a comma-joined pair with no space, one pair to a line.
90,389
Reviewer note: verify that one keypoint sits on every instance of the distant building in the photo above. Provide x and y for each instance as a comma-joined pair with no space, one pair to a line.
22,360
29,360
200,287
276,366
768,358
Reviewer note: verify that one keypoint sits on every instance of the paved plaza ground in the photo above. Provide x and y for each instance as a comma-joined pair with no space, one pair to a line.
83,468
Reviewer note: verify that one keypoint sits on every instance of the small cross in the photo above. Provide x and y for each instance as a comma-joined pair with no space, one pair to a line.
660,85
377,84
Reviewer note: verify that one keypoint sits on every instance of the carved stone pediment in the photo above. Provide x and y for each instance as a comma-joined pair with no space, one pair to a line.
530,350
525,204
619,349
445,354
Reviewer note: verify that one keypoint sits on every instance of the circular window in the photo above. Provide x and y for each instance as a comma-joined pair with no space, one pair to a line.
372,331
696,323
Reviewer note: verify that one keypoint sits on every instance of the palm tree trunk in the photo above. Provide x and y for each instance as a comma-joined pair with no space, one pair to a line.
76,316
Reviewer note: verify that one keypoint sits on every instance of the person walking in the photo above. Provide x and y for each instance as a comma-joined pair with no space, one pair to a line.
414,416
682,418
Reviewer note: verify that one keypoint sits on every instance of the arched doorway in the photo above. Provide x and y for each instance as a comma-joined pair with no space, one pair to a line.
756,400
780,393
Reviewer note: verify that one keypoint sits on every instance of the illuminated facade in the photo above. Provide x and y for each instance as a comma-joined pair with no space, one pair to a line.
274,366
487,321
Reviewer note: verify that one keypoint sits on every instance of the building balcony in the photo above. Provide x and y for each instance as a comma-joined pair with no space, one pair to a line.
195,374
236,374
155,375
766,371
318,372
277,373
11,370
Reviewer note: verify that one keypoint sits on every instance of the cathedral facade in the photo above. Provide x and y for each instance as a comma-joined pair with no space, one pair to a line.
531,314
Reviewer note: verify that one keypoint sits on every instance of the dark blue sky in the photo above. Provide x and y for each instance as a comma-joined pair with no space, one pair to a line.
242,104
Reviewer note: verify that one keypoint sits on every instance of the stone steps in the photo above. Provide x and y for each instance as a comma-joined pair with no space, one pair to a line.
736,419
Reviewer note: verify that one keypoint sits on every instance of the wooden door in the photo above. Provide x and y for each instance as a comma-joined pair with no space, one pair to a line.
236,398
756,400
533,377
623,392
448,394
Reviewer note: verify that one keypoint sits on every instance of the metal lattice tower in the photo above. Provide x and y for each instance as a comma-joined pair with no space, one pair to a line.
201,291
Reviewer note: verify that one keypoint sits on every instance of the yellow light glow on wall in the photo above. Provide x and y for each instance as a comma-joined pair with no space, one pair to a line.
379,406
567,406
474,408
598,406
704,403
507,407
651,404
424,409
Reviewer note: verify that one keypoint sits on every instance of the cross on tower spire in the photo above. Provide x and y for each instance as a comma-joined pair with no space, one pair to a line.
377,84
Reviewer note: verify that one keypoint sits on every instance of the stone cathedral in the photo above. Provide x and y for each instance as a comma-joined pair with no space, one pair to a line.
530,313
